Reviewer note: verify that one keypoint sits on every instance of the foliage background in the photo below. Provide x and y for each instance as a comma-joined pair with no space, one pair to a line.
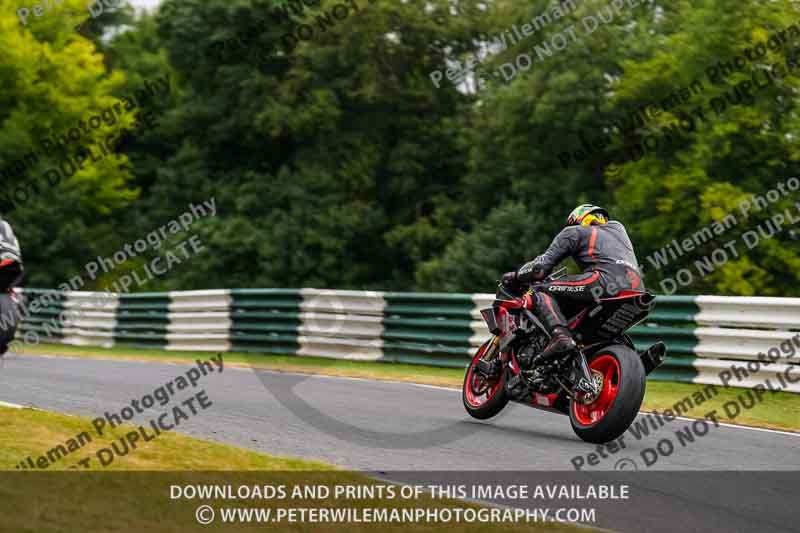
339,164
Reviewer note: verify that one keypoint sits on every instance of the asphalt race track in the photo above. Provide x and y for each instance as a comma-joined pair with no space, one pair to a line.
407,431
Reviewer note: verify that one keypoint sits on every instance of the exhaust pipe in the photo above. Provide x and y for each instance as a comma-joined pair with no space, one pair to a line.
653,356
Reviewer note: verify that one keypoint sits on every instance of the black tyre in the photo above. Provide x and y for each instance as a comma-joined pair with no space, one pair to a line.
612,411
483,398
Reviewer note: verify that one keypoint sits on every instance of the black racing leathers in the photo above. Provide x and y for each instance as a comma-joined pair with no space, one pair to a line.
605,255
10,275
10,257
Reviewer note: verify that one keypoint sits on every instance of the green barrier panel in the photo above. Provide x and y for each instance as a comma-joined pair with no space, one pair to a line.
679,341
673,322
426,354
427,328
675,310
432,304
142,319
41,316
680,369
265,320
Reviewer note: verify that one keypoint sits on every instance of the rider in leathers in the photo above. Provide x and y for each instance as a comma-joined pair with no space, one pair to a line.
604,253
11,272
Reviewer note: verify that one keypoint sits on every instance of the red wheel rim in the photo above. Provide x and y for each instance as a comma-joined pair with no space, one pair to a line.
476,381
590,414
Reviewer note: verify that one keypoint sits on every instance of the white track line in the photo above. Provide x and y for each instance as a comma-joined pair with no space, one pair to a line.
737,426
12,405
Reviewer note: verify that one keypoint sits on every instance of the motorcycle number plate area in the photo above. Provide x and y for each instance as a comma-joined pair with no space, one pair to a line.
498,320
490,316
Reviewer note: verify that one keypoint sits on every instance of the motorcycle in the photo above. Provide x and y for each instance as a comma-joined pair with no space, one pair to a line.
600,386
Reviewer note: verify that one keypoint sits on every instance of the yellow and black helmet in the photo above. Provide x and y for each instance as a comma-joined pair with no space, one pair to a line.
587,214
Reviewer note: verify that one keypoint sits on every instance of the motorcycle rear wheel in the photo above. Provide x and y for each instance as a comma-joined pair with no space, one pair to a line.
483,398
612,412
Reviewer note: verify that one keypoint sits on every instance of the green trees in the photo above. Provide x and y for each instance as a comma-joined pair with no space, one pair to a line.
744,143
661,184
515,132
337,162
53,79
330,157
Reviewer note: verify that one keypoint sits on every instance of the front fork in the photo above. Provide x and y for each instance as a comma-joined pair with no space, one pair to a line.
492,349
487,365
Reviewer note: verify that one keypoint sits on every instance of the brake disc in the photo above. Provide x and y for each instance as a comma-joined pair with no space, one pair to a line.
483,385
590,397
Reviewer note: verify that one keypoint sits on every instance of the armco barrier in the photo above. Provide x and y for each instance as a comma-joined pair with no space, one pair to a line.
705,335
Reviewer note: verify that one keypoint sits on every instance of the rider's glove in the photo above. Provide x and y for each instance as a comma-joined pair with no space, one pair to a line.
531,271
509,279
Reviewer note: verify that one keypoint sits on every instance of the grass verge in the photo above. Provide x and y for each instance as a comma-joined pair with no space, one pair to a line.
777,410
33,433
135,494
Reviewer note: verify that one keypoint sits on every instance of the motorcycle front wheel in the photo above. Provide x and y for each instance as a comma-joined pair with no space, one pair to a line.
607,415
483,398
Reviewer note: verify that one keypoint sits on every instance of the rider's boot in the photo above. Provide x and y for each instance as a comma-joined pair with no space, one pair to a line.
549,313
561,342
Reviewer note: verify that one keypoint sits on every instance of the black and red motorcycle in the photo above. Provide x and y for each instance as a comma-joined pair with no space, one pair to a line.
600,385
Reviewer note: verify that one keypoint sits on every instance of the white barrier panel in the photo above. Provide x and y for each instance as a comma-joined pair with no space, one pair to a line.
212,300
85,300
205,342
211,322
87,337
480,333
354,349
89,318
199,320
325,301
335,325
727,343
749,312
776,376
341,324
